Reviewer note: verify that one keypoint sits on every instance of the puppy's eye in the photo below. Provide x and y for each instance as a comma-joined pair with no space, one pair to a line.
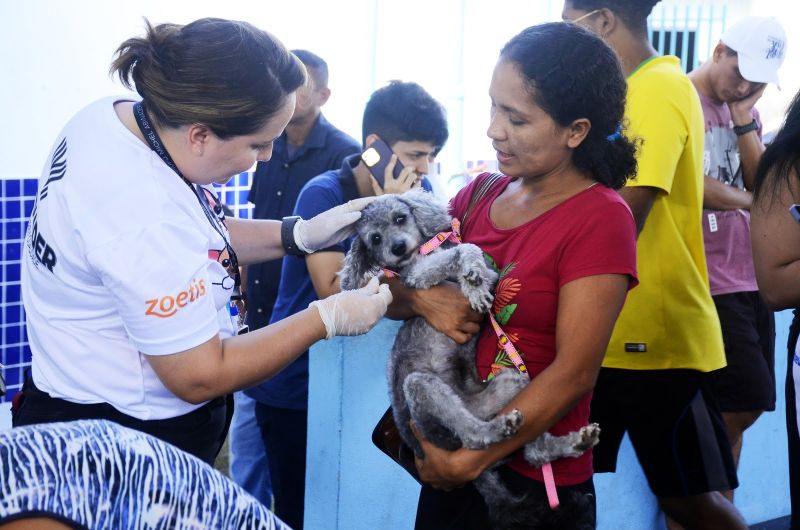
375,239
400,219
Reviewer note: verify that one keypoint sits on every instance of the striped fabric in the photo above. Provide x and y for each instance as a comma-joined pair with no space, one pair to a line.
99,475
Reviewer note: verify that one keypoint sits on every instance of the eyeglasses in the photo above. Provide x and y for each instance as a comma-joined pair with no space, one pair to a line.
585,15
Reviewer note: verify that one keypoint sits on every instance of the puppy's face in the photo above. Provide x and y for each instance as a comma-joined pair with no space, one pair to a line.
390,232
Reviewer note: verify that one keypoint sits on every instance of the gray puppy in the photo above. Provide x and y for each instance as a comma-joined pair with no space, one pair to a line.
432,379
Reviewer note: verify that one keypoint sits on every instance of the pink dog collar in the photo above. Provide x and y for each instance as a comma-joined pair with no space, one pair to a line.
437,240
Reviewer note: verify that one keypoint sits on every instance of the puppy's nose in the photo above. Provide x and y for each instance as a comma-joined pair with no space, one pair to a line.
398,248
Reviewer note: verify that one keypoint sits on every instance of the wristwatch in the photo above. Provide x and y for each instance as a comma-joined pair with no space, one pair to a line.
744,129
287,236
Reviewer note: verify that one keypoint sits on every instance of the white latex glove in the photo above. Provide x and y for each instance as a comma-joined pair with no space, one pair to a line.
329,227
354,312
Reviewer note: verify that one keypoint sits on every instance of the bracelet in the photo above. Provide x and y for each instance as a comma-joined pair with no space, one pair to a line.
287,236
744,129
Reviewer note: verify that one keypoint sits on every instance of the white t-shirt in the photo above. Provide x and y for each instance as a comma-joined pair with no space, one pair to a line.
118,261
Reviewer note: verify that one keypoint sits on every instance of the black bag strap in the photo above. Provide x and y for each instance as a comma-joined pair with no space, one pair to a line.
488,181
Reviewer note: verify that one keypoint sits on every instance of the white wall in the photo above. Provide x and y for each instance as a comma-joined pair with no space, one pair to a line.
54,57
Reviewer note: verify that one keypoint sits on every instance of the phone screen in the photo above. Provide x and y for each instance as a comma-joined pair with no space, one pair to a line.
376,157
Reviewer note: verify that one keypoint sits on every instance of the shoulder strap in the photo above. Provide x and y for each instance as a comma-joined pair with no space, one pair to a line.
480,192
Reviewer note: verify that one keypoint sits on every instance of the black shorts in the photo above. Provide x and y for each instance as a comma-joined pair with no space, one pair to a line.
748,330
674,426
464,509
200,432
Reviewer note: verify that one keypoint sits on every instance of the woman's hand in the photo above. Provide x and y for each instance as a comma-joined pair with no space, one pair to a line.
405,181
354,312
446,308
329,227
444,469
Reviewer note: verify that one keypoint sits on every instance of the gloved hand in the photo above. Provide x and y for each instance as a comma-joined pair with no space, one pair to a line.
329,227
354,312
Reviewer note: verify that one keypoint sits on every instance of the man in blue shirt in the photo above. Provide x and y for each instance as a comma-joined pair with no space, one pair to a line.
413,124
309,146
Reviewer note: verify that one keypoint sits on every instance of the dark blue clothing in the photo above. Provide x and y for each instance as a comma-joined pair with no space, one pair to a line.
285,432
276,185
289,388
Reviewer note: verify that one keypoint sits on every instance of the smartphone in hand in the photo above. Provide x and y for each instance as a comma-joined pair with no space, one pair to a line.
795,211
376,157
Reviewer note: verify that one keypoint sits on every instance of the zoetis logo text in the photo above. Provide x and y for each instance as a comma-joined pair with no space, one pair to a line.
168,305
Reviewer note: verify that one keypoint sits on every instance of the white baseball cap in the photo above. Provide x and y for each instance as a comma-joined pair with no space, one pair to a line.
760,43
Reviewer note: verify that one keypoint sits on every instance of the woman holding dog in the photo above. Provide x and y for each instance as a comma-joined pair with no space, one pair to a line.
563,241
131,266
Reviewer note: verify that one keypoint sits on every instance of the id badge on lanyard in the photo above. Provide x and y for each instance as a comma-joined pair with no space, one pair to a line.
238,318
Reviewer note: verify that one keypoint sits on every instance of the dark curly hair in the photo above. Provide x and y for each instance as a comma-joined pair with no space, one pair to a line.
404,111
633,12
573,74
225,74
781,159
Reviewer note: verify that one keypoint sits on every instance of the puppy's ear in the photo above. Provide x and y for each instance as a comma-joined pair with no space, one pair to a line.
357,265
430,214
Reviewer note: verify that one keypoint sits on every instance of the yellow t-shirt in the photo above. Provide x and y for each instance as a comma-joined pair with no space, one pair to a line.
669,320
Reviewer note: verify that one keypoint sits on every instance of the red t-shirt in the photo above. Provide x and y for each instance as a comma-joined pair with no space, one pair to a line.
592,232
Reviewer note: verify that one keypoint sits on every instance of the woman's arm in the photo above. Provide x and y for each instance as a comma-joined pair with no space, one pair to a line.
218,367
587,310
776,245
255,240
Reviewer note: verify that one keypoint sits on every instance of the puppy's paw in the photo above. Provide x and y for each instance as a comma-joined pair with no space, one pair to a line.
473,277
588,436
511,423
480,298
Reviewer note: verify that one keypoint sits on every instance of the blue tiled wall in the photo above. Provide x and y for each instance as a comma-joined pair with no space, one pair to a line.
16,203
17,197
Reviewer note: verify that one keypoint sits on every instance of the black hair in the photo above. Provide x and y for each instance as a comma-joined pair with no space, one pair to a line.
405,112
316,63
633,12
781,159
573,74
225,74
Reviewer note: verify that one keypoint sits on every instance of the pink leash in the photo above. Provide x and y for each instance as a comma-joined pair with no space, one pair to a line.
455,236
516,358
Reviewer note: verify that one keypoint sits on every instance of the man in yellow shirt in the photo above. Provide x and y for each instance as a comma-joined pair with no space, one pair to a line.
654,383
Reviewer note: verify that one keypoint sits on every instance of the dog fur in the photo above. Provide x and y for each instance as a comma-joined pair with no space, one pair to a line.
432,379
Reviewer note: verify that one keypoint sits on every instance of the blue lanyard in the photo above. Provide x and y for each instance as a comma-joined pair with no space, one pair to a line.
155,143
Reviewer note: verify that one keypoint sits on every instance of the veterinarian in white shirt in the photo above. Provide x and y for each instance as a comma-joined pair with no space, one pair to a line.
131,266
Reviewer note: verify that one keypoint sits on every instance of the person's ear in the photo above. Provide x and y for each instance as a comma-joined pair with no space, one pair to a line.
322,96
720,50
371,139
578,130
605,22
198,136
